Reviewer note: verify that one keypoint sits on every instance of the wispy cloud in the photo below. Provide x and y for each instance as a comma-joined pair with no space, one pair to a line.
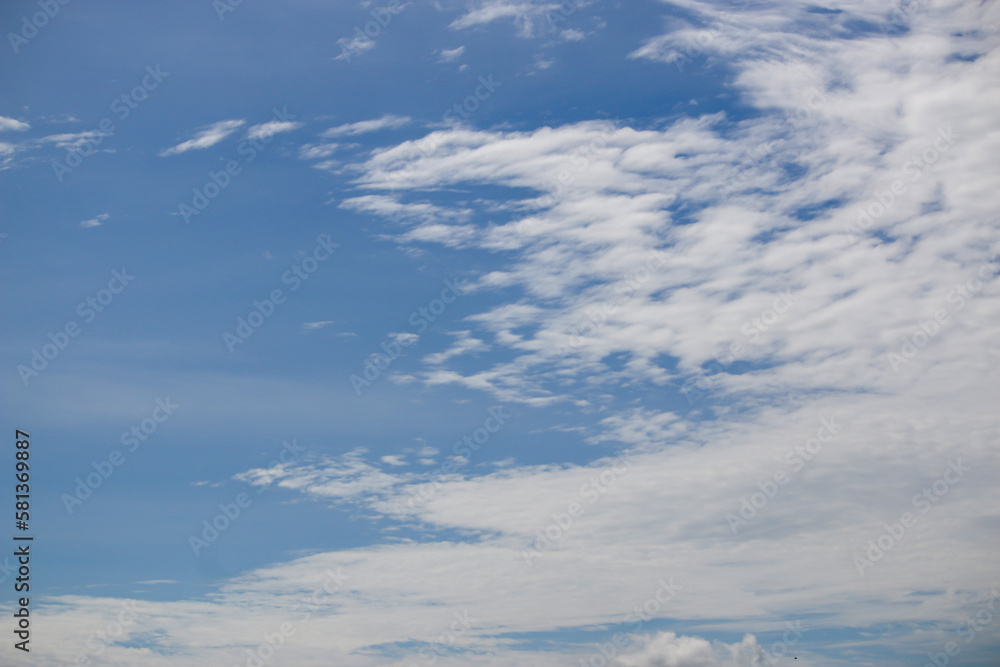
386,122
626,261
451,55
206,138
465,344
352,47
267,130
309,327
316,152
530,17
70,140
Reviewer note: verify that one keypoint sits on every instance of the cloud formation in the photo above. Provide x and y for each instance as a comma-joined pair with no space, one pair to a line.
450,55
206,138
744,283
96,221
532,18
7,124
269,129
386,122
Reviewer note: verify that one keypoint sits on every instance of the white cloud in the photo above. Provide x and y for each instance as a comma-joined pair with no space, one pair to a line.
578,286
438,224
70,141
347,478
210,136
60,118
352,47
312,152
389,206
95,221
386,122
731,232
465,344
269,129
405,339
532,18
13,124
666,649
393,460
450,55
542,64
308,327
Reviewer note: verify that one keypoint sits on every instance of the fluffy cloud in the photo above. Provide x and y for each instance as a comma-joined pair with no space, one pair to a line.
12,124
669,650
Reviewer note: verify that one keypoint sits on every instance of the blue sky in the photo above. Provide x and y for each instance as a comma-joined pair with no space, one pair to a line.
703,290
